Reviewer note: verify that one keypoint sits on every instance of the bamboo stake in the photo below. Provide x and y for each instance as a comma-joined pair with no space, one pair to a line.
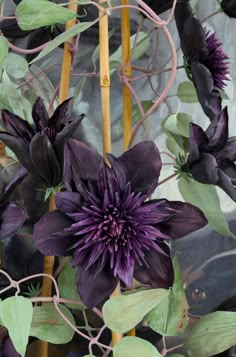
126,55
105,109
63,95
105,83
127,96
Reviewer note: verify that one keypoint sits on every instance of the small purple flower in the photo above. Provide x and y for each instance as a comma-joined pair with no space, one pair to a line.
212,155
40,147
12,216
112,232
206,63
229,7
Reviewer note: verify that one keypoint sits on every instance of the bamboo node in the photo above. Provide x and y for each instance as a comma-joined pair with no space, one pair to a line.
105,81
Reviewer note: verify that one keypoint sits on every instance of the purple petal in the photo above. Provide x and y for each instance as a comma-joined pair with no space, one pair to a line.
143,164
20,148
229,168
119,170
183,11
186,220
229,150
205,170
218,131
66,133
44,160
61,114
40,115
12,217
81,163
209,99
197,140
225,183
48,234
68,202
16,126
94,288
193,41
158,271
14,182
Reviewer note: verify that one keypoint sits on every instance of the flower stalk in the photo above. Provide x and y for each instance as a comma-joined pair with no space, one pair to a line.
63,95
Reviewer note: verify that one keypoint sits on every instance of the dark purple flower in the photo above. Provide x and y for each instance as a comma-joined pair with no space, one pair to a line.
40,146
229,7
212,155
112,232
12,216
206,63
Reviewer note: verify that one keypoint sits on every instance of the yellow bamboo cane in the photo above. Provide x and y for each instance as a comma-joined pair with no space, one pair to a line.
105,108
127,96
63,95
126,54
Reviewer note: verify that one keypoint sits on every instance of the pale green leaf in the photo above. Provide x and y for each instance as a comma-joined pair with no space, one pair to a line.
178,124
3,49
186,92
134,346
15,65
206,198
67,286
170,316
48,325
33,14
122,313
16,315
65,36
212,334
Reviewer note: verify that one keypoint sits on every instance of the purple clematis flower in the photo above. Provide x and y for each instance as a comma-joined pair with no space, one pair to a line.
206,63
112,232
12,216
212,155
229,7
40,146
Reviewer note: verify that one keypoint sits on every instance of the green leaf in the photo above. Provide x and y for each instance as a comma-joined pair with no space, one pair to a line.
89,356
141,48
33,14
16,315
48,325
65,36
170,316
212,334
186,92
122,313
134,346
12,99
178,355
67,286
3,49
206,198
176,128
178,124
15,65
